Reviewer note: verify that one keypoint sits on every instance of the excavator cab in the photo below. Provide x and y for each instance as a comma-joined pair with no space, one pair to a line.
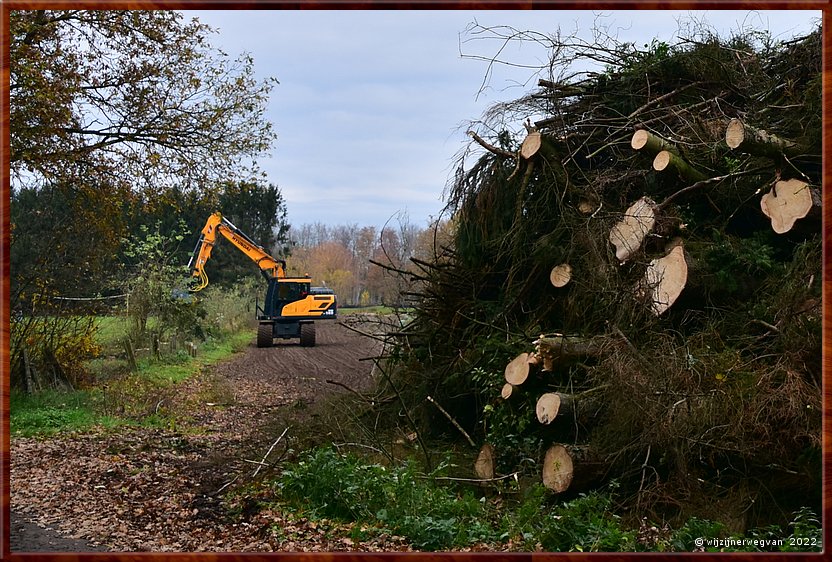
289,310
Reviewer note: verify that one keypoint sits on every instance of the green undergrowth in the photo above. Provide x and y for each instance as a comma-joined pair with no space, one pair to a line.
178,367
121,397
434,513
52,411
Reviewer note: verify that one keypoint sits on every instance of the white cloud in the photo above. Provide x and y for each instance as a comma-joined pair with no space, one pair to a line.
369,103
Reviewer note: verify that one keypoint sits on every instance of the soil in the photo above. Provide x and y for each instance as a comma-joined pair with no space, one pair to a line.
169,489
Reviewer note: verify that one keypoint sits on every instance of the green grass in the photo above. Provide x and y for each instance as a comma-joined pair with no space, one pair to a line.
111,331
51,411
181,366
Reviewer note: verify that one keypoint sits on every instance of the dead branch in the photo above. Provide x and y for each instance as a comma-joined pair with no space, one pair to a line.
490,147
452,420
263,461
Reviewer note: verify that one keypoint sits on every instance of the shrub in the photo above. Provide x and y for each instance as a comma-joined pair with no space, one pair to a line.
342,486
585,524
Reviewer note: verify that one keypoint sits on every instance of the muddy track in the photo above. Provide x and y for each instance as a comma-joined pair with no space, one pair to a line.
296,372
159,489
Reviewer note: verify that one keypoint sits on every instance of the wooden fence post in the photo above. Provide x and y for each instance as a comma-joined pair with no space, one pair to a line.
131,355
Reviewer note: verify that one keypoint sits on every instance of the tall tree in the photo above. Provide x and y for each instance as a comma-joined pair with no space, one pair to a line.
109,109
136,95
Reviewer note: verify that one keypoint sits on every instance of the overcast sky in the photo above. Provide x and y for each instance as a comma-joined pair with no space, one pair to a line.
371,105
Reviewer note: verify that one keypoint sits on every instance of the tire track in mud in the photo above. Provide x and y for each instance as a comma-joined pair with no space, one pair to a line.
286,371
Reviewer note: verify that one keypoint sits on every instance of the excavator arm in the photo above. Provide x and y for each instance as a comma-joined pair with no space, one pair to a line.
270,267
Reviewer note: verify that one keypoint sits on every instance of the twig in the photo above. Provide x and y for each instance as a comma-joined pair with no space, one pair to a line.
262,462
644,467
771,327
705,183
389,267
662,98
342,385
452,420
339,445
490,147
408,416
476,480
226,485
377,337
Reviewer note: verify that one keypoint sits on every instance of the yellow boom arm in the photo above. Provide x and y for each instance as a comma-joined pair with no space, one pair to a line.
217,224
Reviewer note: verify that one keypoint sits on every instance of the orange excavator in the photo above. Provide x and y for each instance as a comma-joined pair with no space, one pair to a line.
292,305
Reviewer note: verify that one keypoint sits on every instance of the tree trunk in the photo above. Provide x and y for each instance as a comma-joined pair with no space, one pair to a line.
551,405
788,201
649,143
517,371
558,346
629,233
131,355
507,391
745,138
664,279
557,469
484,465
531,144
28,379
561,275
666,160
568,467
587,207
536,144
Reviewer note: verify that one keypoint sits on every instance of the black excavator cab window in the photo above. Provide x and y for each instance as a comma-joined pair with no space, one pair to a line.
290,292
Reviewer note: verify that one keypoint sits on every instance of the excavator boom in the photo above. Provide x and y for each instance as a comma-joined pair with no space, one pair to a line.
217,224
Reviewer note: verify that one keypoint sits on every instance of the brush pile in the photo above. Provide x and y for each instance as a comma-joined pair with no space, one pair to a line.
633,288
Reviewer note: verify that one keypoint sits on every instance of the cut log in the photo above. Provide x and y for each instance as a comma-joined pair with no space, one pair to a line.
787,202
552,404
484,465
558,469
629,233
665,278
560,275
517,371
745,138
649,143
558,346
666,160
531,145
508,388
586,207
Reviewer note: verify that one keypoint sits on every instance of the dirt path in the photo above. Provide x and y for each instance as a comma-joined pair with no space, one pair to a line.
161,490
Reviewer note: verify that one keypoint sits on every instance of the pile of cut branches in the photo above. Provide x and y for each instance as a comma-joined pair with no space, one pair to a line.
633,288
